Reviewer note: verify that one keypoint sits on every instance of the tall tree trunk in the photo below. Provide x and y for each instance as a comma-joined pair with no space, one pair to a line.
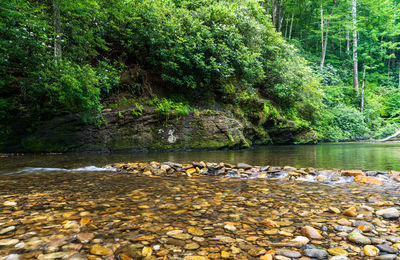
347,42
291,27
325,42
282,14
322,26
274,10
362,91
355,61
262,3
286,27
57,29
267,6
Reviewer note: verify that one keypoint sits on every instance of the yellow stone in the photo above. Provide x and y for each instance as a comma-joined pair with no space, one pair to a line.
338,251
99,250
367,180
147,251
84,221
68,214
266,257
195,257
225,254
191,171
352,173
195,231
370,250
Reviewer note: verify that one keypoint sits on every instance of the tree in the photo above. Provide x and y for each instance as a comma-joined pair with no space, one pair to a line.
355,41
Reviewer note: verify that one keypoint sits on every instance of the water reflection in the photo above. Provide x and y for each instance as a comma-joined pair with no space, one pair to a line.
365,156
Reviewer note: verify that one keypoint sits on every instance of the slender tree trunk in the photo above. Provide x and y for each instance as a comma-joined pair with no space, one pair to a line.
267,6
347,42
399,77
286,27
325,42
57,29
282,14
362,91
291,27
322,25
274,10
355,61
262,3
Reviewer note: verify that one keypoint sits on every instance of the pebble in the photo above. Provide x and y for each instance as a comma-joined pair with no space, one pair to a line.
358,238
386,248
350,212
370,250
386,257
315,253
311,233
100,250
8,242
7,229
288,253
338,251
389,213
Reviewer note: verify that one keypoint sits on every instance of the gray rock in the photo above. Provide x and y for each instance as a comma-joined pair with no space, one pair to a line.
386,257
386,248
343,228
360,223
389,213
243,166
11,257
339,258
358,238
288,253
393,239
315,253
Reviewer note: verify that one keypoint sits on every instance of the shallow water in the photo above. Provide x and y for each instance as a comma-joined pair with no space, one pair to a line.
363,156
48,201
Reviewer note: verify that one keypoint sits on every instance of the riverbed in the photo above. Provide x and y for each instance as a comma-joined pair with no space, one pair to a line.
72,207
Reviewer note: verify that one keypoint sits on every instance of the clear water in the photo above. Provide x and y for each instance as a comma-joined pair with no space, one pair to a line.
364,156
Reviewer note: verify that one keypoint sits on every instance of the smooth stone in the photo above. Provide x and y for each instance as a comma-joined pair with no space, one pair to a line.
230,227
192,246
300,240
389,213
195,231
339,258
281,257
243,166
338,251
315,253
311,233
99,250
370,250
344,222
8,242
288,253
386,257
343,228
53,255
85,237
11,257
350,212
361,223
7,229
393,239
358,238
386,248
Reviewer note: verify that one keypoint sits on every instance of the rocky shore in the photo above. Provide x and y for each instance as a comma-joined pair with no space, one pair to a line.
135,211
243,170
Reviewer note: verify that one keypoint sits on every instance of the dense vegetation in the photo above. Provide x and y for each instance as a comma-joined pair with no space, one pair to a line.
59,57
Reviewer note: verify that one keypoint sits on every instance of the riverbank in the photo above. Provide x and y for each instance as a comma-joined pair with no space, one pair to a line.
113,215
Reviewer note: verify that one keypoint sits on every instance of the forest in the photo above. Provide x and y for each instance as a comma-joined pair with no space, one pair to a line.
328,66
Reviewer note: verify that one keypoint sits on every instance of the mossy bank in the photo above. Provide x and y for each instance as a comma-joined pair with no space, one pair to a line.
125,130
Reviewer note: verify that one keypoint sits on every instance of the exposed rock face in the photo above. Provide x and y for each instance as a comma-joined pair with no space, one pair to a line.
124,130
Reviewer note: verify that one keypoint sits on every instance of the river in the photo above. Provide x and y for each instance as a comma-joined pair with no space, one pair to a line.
68,206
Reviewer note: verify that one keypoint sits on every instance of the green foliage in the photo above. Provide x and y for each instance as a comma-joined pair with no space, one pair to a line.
168,107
